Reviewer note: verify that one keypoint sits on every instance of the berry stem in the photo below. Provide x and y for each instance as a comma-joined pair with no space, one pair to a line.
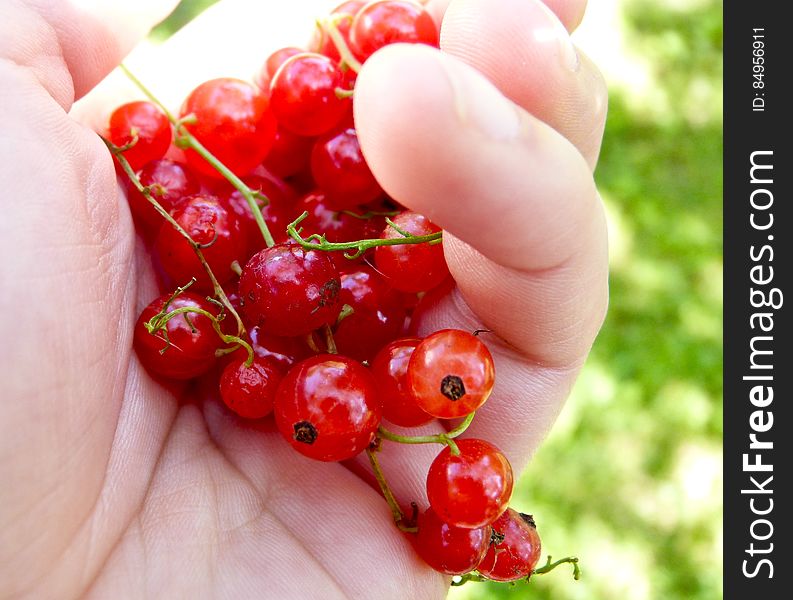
550,566
459,580
133,177
396,511
185,139
447,439
319,242
347,57
330,341
341,93
159,321
346,311
370,213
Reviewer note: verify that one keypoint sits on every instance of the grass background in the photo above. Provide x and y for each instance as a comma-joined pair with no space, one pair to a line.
630,479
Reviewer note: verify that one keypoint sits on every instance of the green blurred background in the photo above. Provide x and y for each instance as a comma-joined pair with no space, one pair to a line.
630,479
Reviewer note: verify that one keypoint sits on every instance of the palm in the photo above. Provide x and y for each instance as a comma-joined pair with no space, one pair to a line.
123,485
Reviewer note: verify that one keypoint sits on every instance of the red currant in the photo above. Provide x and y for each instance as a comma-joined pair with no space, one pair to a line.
327,407
449,549
515,550
168,182
209,224
389,22
412,267
233,121
282,351
277,213
146,125
322,219
303,93
250,391
378,314
390,367
290,153
188,348
289,291
273,63
472,489
342,16
340,170
451,373
337,226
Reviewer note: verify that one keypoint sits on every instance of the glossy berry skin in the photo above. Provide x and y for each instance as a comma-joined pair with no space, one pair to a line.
378,313
336,225
273,63
233,121
518,552
451,373
277,214
387,22
280,352
290,153
327,407
250,391
208,223
321,42
168,182
303,95
412,267
289,291
472,489
192,344
341,172
284,352
148,123
449,549
389,368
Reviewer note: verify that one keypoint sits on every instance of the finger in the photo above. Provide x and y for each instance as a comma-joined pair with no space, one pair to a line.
71,46
569,12
496,177
69,255
523,48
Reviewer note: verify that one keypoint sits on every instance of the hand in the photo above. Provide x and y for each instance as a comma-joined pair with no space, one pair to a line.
110,487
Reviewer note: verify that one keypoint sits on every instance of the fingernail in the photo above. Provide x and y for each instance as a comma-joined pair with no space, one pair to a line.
478,104
551,30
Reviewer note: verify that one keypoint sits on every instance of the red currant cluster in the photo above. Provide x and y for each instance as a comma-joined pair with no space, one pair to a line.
305,280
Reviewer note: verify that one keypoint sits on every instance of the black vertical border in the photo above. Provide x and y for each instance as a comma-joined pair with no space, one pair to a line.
746,131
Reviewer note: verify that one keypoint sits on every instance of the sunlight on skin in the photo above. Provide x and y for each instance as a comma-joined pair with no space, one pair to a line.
211,466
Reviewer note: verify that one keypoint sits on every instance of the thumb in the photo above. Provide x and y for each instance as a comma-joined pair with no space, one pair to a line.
527,243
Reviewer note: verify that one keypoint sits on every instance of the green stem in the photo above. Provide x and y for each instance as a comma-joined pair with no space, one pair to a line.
347,57
550,566
182,133
459,580
346,311
396,511
133,177
159,321
446,439
370,213
341,93
319,242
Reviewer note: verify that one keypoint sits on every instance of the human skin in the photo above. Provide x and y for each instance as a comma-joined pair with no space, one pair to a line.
112,485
